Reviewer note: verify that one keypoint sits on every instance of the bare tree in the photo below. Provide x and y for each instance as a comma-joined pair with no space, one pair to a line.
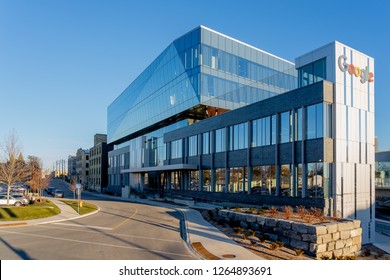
36,179
12,167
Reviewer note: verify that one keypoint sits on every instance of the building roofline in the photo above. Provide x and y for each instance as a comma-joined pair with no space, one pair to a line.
238,41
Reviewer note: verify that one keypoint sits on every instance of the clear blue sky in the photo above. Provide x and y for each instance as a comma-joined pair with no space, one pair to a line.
63,62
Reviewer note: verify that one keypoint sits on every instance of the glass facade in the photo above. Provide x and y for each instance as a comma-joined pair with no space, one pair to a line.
263,181
312,73
201,68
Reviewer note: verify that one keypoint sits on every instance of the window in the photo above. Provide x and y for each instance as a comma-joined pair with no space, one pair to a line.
206,185
285,127
328,121
220,185
175,180
176,149
220,140
312,73
206,143
314,123
285,180
263,180
238,182
298,124
194,181
261,132
273,129
315,183
239,136
193,145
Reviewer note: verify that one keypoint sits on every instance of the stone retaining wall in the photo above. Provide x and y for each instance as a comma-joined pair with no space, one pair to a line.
331,239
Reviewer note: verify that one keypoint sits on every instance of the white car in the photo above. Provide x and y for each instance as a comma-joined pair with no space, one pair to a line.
12,200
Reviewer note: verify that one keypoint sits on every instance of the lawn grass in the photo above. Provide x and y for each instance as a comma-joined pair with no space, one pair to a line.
87,207
29,212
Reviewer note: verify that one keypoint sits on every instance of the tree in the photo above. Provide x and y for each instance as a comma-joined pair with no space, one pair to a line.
36,179
12,165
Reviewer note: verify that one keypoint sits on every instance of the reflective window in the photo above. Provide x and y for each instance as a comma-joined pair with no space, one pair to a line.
328,121
382,173
299,181
261,132
176,149
194,181
175,180
314,122
193,145
315,182
238,136
220,140
263,180
206,143
206,185
285,127
312,73
238,182
298,124
285,179
273,129
220,176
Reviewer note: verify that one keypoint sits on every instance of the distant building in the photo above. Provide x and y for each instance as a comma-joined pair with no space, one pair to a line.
98,163
72,160
82,166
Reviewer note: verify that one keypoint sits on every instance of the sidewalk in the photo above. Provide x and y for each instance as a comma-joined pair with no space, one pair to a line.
205,239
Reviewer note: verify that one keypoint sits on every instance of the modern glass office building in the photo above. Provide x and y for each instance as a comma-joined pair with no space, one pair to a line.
214,118
201,74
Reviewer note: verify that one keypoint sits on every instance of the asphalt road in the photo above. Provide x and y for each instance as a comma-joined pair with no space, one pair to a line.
119,231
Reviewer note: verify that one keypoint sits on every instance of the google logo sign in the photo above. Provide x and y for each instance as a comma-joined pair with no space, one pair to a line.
364,74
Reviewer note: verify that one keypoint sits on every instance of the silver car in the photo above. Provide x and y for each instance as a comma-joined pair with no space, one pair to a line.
19,196
12,200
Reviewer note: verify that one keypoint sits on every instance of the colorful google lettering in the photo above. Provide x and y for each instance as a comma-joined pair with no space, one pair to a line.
364,74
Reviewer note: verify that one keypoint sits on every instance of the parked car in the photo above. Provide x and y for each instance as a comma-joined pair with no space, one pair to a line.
12,200
50,190
58,193
20,196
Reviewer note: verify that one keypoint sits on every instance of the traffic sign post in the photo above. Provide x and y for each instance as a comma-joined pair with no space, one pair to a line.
78,187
